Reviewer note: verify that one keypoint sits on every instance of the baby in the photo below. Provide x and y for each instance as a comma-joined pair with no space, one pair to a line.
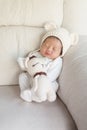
54,45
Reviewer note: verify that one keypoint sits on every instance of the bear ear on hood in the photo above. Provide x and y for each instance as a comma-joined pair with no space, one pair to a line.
74,38
50,26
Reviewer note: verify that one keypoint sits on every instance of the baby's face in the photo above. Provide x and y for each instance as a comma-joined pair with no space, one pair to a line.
51,48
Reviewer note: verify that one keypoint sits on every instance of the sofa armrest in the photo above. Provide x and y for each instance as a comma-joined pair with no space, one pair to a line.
73,83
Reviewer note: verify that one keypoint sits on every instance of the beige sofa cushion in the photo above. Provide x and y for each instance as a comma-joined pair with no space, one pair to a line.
15,114
30,12
15,42
73,83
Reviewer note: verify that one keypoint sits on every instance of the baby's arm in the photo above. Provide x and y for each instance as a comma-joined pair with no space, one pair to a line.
54,70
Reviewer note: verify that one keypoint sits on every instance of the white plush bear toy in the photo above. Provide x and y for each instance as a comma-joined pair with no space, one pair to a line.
41,86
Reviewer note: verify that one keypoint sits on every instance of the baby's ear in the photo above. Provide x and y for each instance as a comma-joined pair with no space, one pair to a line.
21,62
74,38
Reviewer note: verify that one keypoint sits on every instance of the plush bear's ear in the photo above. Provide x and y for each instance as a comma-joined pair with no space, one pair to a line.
21,62
74,38
26,61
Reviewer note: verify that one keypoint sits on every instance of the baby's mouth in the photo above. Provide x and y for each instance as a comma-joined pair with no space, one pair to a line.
47,53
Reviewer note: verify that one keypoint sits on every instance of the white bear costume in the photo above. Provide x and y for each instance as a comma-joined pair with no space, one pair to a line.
39,83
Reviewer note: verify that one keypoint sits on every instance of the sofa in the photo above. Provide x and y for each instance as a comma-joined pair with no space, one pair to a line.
21,27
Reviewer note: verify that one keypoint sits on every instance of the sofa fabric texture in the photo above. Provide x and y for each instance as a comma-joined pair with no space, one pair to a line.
73,82
15,114
30,12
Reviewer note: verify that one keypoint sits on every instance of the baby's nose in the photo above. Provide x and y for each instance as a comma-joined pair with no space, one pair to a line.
49,49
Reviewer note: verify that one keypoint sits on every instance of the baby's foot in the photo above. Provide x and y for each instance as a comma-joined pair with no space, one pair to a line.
51,98
26,95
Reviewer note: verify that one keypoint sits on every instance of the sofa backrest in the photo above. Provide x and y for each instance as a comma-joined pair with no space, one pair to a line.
30,12
21,27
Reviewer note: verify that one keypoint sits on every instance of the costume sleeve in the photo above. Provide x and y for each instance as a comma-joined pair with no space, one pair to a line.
54,69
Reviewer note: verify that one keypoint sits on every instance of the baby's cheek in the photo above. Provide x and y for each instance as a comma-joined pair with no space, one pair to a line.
42,52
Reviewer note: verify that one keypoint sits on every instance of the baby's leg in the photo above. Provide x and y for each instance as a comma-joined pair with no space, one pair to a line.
55,86
24,85
52,92
51,95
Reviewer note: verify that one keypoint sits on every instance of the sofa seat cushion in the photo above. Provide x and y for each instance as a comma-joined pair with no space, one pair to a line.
15,114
